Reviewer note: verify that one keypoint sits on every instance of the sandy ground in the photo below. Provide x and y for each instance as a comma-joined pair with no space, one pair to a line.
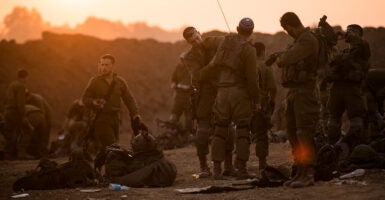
370,186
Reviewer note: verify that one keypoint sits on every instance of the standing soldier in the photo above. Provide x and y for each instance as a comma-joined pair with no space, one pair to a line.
236,99
103,95
299,65
261,121
180,81
348,71
14,113
197,59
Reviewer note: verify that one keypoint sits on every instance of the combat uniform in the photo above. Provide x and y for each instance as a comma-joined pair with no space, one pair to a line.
299,74
181,79
261,121
13,114
107,123
237,93
349,69
204,78
43,139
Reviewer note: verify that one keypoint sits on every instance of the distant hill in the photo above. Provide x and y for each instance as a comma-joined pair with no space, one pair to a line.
61,64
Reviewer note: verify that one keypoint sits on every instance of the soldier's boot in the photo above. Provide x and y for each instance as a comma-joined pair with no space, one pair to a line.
217,171
298,174
228,165
242,172
307,178
204,168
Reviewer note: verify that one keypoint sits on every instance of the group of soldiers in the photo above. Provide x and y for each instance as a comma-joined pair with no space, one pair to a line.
236,90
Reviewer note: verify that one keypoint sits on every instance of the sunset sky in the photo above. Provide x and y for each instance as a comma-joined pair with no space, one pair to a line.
204,14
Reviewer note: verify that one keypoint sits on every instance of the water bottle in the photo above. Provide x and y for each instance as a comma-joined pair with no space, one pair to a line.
114,186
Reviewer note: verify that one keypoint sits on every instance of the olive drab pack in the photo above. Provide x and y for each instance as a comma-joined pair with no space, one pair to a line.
228,58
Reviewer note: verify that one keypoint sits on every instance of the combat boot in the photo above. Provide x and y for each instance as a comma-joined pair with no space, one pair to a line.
228,165
242,172
204,168
307,179
218,171
298,174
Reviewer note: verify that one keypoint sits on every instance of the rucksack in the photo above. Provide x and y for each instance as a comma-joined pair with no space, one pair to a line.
327,163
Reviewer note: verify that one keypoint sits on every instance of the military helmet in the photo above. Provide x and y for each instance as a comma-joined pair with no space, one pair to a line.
143,142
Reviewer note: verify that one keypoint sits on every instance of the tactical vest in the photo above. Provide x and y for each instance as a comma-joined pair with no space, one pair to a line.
229,60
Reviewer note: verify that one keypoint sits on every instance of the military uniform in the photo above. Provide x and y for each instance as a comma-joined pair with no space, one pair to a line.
107,123
181,79
43,139
261,121
299,72
237,94
13,114
204,78
348,70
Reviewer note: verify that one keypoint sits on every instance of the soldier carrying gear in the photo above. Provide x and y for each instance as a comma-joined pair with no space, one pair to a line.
237,90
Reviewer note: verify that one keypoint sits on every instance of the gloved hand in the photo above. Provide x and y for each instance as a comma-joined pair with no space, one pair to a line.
137,125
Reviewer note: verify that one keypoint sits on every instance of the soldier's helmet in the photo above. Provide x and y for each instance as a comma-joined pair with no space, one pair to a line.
143,142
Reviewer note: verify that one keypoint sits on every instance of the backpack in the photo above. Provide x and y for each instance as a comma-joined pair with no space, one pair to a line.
228,58
327,163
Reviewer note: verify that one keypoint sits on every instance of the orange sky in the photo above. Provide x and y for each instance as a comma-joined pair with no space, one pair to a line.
205,14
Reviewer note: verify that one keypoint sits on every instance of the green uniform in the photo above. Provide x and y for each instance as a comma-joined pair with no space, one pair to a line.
349,69
33,132
237,93
107,124
77,117
204,78
299,72
181,79
261,121
42,141
13,114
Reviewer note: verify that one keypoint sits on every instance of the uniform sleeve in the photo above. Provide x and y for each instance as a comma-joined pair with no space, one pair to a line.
48,112
252,74
128,99
89,94
20,98
304,47
174,76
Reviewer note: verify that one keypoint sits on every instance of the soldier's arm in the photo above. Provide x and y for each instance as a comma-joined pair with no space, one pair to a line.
304,47
89,94
174,76
129,100
252,74
48,112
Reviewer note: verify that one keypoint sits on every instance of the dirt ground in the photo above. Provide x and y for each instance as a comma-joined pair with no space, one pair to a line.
370,186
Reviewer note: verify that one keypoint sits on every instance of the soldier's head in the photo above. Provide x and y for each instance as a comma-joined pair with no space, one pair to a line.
245,27
353,32
260,49
22,74
106,64
143,142
192,36
291,23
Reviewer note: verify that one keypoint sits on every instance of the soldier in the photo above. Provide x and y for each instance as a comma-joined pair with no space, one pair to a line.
348,71
299,65
261,121
14,113
197,60
180,81
43,139
103,95
236,99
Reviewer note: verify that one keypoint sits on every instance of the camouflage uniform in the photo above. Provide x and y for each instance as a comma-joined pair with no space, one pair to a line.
107,124
299,71
204,78
261,121
13,114
43,139
181,79
348,70
237,93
